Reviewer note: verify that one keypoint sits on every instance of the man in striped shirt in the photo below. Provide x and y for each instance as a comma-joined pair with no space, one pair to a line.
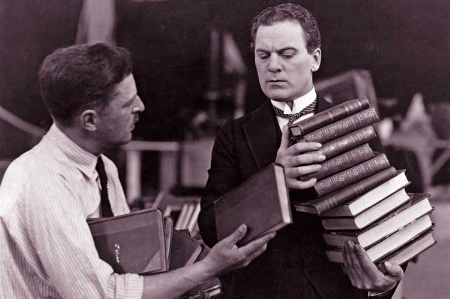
46,248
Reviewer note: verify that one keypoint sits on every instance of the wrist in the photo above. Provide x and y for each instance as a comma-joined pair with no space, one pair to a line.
207,268
376,294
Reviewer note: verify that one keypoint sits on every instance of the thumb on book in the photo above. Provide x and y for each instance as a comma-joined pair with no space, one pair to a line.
238,234
394,270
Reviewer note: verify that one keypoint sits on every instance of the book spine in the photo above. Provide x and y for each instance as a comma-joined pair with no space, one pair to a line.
352,191
351,175
341,162
347,142
327,117
343,127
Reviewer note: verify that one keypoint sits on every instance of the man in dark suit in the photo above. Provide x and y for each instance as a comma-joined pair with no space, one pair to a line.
286,43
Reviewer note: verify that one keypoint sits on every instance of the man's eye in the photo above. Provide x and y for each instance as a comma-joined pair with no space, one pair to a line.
287,55
263,56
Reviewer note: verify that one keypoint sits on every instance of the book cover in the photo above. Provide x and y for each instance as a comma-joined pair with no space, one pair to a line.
325,203
168,231
131,243
351,175
391,245
338,238
416,208
411,250
405,235
341,162
343,127
261,202
184,250
347,142
369,216
368,199
329,116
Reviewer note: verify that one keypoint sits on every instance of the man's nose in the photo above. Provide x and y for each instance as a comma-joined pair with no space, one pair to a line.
138,105
274,64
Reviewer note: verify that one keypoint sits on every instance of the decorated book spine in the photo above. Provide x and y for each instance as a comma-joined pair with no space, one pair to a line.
327,117
351,175
341,162
323,204
342,127
347,142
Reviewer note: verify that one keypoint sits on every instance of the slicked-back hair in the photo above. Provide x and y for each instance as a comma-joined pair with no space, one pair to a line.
289,12
81,77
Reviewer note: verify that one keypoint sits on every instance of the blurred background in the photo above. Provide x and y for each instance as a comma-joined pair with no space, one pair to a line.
194,69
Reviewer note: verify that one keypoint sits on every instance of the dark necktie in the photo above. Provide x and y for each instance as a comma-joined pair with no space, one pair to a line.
294,116
105,205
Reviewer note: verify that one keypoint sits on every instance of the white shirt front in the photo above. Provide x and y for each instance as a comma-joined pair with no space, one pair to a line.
298,105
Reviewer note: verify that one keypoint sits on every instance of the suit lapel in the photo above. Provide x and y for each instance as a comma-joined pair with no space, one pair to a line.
263,135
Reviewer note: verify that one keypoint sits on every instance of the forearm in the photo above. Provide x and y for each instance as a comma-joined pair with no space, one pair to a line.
177,282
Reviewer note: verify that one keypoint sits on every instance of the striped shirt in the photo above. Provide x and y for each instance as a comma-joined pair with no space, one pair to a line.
46,248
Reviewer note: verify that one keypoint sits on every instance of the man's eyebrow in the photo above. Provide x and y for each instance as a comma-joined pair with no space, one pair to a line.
287,49
278,51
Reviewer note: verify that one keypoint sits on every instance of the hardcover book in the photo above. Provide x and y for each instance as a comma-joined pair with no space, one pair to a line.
338,238
411,250
370,198
347,142
325,203
131,243
329,116
341,162
184,250
419,206
261,202
343,127
406,236
370,215
351,175
168,233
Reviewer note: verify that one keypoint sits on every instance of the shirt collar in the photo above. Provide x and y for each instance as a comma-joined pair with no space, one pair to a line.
298,104
75,155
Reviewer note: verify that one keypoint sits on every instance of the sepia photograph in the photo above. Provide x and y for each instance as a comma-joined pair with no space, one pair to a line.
224,149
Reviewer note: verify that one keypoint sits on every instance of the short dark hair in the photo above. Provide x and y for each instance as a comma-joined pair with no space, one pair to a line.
289,12
81,77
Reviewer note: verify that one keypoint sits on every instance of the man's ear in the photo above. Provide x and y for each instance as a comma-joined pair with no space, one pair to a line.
316,58
89,119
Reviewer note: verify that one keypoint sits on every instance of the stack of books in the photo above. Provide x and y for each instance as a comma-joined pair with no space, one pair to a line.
359,195
145,242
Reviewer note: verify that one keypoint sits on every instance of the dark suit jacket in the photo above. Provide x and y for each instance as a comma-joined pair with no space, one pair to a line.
295,259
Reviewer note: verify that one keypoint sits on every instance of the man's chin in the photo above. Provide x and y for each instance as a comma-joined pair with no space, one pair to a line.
280,99
125,140
277,95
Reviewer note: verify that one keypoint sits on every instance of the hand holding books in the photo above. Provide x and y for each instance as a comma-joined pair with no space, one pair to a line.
361,198
365,275
172,262
225,256
299,159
